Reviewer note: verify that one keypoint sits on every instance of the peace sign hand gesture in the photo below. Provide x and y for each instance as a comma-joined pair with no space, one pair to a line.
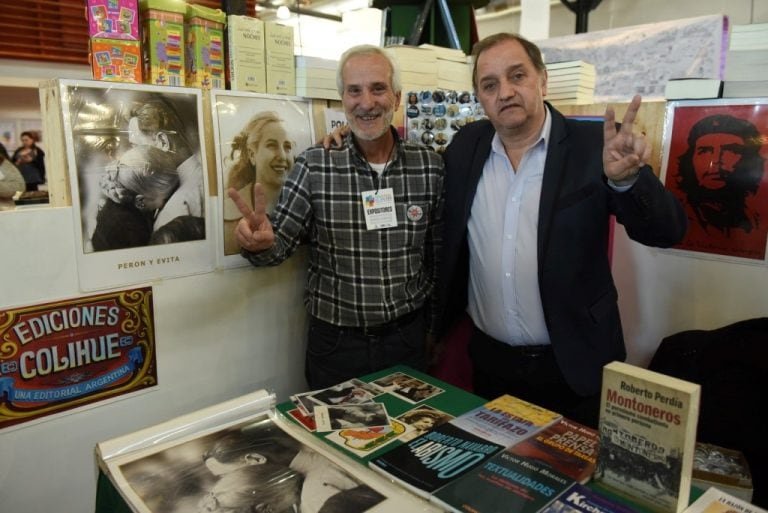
253,231
624,152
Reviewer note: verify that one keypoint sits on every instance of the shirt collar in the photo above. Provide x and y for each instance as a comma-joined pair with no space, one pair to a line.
546,131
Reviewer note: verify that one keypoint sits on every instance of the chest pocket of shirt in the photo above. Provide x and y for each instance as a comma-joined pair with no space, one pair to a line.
414,218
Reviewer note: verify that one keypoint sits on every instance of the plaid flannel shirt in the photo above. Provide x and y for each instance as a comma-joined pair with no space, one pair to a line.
356,276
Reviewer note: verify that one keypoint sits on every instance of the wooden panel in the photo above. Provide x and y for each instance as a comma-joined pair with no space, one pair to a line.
650,120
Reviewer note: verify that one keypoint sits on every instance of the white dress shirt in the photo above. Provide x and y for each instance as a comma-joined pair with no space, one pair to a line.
504,299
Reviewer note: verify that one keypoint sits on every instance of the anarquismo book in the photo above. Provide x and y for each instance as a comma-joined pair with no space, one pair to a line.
647,436
241,455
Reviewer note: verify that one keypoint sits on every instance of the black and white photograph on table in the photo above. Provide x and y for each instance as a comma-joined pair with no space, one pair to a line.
139,189
257,138
254,466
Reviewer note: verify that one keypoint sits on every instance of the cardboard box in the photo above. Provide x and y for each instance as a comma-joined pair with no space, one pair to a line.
163,41
204,34
114,60
113,19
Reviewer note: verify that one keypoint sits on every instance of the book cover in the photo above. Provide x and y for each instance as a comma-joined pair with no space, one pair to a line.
505,420
281,70
715,500
580,499
567,446
435,458
507,482
693,88
647,436
247,61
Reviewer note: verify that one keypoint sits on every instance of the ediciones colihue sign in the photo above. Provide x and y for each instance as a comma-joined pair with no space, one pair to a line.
66,354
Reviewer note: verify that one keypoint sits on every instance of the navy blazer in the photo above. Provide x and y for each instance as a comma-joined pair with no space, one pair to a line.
575,281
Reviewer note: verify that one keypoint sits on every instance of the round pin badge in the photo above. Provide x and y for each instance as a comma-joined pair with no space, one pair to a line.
415,213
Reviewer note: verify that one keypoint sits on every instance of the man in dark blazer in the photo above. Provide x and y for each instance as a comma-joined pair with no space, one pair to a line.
528,195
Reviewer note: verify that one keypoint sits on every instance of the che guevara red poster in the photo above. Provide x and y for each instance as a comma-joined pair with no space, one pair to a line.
716,163
66,354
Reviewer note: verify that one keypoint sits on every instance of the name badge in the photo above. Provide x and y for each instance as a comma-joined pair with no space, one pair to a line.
379,209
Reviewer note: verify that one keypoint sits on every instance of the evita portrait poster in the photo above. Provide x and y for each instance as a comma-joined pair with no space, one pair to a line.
716,163
257,138
139,189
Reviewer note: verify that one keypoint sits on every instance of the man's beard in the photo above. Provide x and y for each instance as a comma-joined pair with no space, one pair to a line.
723,209
386,118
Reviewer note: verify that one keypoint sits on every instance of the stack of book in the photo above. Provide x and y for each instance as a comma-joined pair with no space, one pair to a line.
453,68
693,88
418,66
316,77
746,62
571,82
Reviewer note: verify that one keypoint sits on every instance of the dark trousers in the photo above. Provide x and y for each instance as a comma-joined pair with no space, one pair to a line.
339,353
530,373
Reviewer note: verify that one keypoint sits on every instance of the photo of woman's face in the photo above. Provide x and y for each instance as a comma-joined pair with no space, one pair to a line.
271,153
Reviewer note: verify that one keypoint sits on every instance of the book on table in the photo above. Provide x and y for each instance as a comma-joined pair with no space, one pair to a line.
715,500
506,420
441,456
506,482
567,446
578,498
434,459
647,432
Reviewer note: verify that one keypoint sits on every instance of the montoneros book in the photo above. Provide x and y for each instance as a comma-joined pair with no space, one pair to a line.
567,446
435,458
505,483
647,436
580,499
506,420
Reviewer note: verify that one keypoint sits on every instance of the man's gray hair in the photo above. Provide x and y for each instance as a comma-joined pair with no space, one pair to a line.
369,50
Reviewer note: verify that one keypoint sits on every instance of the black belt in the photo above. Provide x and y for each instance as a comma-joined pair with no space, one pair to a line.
519,351
379,329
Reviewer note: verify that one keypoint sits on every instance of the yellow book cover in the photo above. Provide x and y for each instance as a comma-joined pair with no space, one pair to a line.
647,436
281,69
246,63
